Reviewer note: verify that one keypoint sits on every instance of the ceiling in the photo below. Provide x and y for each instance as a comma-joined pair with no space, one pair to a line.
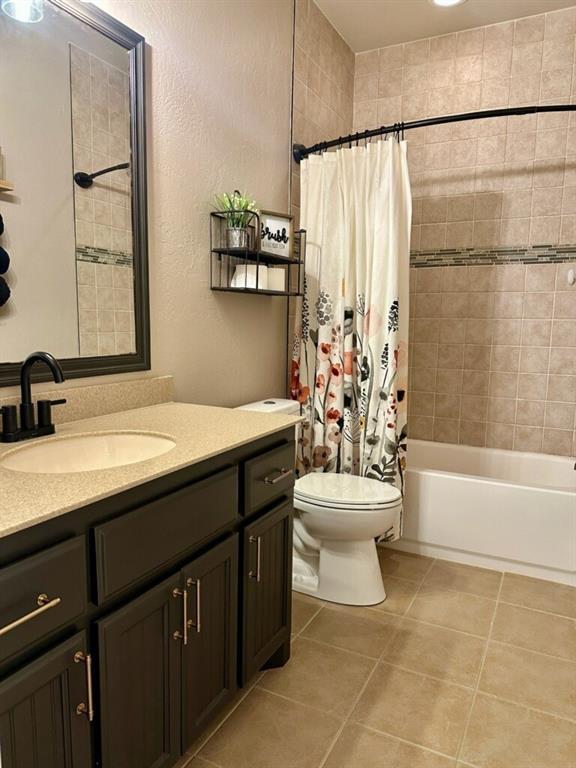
366,24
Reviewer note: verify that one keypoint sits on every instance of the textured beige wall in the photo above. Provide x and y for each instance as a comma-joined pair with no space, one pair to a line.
219,85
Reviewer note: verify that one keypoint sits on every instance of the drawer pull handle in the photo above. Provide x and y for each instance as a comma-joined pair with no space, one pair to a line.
257,574
83,709
183,593
283,474
198,624
44,604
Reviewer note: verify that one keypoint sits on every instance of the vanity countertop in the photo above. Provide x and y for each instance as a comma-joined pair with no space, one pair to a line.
200,432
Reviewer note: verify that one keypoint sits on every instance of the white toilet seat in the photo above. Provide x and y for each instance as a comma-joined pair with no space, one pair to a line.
345,492
343,506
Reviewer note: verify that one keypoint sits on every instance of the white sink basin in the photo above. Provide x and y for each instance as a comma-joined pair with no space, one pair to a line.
82,453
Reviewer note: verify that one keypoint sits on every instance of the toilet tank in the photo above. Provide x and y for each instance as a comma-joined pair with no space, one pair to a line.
273,405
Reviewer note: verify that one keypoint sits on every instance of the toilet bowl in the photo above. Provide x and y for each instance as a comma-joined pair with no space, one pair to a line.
336,521
337,518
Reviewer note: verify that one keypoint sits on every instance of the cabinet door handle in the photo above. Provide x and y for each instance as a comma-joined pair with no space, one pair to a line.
183,593
82,708
44,604
258,573
198,624
282,475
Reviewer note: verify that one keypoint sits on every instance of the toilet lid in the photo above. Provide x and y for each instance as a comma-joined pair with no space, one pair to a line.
344,491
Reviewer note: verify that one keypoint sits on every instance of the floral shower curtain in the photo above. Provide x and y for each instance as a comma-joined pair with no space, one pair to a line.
349,367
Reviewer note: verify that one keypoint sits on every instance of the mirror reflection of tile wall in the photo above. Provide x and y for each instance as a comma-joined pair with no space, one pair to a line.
103,220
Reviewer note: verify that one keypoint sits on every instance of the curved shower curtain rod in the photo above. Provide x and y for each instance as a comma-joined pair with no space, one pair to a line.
300,151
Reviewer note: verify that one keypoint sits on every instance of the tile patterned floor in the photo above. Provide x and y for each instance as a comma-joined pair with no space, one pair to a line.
460,667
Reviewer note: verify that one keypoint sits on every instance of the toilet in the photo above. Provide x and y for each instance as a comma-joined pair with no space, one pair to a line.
336,522
337,518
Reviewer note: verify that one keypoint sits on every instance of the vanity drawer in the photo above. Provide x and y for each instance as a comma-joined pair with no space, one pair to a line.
40,594
268,477
140,542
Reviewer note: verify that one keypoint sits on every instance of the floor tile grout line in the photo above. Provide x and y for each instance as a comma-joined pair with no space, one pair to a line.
325,644
479,677
514,702
485,637
443,626
303,704
427,675
540,610
533,650
484,597
403,740
310,620
367,682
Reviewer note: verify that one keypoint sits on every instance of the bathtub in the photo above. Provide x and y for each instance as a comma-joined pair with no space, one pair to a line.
498,509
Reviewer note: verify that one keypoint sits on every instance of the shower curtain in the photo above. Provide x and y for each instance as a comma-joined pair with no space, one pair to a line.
349,366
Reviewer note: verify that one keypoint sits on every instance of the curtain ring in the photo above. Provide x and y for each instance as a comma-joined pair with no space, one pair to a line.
402,124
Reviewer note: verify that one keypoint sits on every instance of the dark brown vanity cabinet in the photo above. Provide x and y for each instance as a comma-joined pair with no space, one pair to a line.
139,672
267,584
209,666
171,595
44,711
168,662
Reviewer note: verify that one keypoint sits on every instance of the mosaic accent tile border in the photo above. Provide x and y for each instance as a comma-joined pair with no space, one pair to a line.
104,256
454,257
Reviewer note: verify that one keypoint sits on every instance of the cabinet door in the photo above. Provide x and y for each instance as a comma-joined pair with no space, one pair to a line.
210,648
267,585
40,726
139,654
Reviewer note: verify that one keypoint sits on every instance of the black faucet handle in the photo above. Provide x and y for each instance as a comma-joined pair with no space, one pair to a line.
45,411
9,419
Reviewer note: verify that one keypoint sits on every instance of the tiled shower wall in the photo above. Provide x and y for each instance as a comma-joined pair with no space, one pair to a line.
103,212
484,183
493,356
494,344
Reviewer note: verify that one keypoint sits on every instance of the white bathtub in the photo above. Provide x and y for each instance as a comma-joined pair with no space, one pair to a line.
498,509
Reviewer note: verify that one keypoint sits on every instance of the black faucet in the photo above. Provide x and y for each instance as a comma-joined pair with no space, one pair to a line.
28,426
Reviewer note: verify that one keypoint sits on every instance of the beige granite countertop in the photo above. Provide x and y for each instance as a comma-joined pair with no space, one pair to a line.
199,431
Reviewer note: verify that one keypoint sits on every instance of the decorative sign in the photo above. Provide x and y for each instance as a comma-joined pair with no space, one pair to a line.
276,233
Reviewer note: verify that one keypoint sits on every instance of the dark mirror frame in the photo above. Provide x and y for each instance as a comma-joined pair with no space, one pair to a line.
79,367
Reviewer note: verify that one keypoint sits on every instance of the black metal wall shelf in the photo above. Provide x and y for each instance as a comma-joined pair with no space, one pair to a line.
245,269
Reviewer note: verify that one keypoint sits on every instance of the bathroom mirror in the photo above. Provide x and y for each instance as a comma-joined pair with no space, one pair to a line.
72,101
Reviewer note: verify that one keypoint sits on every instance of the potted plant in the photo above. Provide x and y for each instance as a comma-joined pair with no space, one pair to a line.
238,209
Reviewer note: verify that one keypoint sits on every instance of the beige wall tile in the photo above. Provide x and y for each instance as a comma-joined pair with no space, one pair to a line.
475,382
502,410
499,436
557,442
562,388
532,386
498,36
560,415
446,430
529,30
530,413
